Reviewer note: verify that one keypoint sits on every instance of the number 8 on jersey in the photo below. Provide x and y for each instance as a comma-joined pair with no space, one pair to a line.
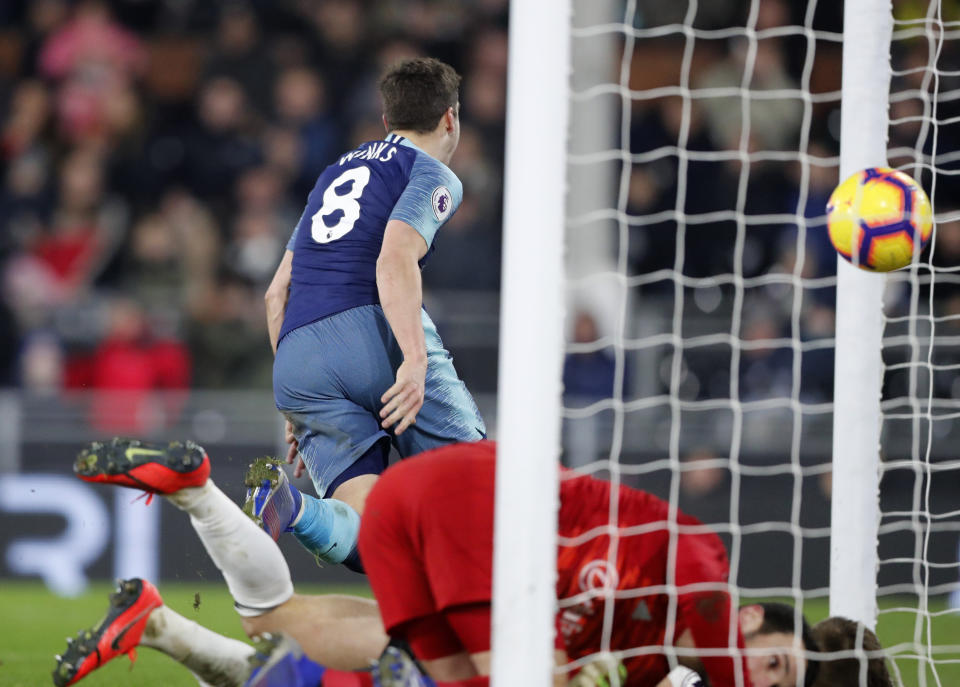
345,202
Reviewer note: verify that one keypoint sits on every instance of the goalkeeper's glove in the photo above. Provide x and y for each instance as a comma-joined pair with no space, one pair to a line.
684,677
597,674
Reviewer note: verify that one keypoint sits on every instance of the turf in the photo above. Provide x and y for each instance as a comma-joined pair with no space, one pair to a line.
911,636
34,625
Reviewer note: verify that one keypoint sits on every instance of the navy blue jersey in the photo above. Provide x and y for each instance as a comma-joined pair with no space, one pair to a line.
338,238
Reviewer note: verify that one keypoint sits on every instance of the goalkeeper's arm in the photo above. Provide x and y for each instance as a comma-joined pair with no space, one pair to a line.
681,677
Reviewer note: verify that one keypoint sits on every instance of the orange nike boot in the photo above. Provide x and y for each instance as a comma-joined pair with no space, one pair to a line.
155,468
118,633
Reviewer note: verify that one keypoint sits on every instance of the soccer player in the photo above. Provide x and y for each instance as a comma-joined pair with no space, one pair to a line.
432,580
358,361
838,634
339,630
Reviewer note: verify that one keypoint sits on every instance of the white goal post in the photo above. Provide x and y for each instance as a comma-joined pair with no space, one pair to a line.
868,27
531,313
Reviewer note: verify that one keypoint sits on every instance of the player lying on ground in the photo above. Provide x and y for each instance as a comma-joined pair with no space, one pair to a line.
433,581
252,566
358,361
838,635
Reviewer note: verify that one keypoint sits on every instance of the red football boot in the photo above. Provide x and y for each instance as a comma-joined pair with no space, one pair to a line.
118,633
155,468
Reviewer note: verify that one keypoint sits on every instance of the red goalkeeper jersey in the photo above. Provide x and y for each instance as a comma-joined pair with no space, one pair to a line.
427,543
640,610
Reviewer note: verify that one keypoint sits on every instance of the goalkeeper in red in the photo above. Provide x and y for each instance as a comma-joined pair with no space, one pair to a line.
432,581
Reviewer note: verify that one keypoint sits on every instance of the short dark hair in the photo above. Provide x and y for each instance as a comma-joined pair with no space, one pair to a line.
779,617
840,634
416,93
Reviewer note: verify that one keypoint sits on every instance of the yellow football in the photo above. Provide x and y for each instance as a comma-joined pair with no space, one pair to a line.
879,219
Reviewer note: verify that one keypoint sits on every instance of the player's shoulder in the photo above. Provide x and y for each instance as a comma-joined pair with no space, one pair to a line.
576,483
584,502
589,492
443,186
427,165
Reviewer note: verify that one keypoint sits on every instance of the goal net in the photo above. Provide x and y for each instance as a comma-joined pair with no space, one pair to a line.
920,489
701,309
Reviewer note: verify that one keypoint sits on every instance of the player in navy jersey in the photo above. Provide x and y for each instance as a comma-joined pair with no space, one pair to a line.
359,363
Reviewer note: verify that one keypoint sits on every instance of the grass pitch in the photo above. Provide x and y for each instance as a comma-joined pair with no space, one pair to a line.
34,625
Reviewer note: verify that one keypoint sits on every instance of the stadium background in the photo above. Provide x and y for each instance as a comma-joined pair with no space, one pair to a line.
156,154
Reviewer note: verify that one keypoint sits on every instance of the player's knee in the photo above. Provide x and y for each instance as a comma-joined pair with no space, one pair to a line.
354,492
257,625
272,620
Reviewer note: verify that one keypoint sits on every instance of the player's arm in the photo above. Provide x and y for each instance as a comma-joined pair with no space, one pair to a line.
401,297
276,301
559,659
707,616
276,297
682,677
688,673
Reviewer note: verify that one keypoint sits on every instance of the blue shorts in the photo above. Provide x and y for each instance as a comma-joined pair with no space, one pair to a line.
328,378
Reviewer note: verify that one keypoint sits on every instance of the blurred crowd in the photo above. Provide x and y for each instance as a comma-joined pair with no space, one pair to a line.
156,154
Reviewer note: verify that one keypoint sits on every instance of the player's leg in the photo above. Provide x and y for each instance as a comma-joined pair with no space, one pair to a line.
339,631
449,413
137,617
180,471
325,374
328,527
283,663
332,431
231,539
325,527
263,593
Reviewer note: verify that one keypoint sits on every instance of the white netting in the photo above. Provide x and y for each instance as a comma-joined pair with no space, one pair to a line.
921,400
700,362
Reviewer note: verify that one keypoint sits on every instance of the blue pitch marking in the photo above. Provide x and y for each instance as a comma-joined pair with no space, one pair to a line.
869,232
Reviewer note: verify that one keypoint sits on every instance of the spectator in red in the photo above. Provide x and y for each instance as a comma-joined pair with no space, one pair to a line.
128,365
93,58
81,235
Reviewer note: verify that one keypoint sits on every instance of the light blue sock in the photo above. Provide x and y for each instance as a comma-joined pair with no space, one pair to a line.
327,528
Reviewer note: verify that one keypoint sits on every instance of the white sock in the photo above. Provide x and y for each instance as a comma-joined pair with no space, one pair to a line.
251,562
214,660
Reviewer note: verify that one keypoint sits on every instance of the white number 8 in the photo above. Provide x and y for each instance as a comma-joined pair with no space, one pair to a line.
347,203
